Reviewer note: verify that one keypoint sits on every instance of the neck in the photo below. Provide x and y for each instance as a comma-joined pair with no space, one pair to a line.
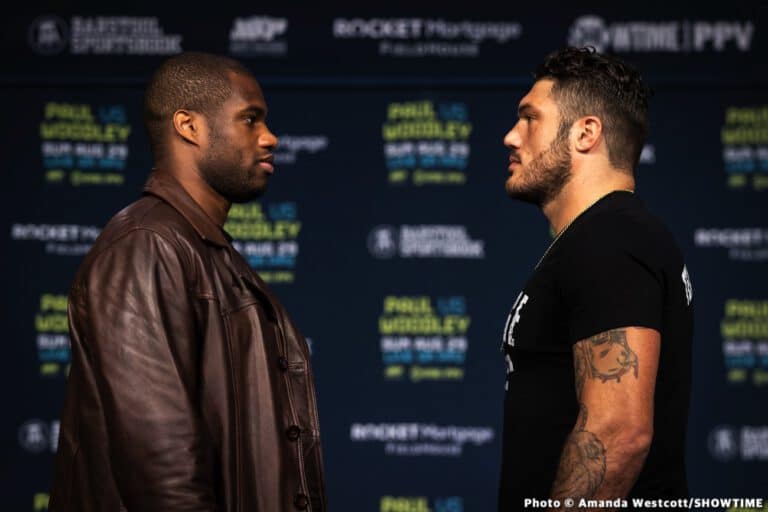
211,202
582,192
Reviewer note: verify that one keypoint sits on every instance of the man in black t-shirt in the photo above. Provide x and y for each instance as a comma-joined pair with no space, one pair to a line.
598,343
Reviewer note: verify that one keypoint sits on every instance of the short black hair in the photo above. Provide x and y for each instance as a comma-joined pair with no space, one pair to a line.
191,80
591,83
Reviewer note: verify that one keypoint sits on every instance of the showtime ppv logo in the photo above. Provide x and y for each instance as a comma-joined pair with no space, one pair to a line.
664,36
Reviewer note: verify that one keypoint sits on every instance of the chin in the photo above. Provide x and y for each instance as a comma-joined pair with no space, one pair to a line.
509,187
526,195
247,196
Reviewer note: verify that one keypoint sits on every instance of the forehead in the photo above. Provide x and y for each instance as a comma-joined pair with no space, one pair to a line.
245,91
540,96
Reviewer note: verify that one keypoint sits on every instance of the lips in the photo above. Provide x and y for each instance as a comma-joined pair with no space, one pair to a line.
268,164
513,160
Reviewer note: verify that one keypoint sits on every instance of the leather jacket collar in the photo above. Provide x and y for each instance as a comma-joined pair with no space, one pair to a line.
163,185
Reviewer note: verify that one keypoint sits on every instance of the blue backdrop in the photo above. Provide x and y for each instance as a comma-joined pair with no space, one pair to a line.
386,230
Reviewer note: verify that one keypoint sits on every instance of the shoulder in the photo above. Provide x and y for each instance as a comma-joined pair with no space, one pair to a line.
629,231
149,214
147,230
625,246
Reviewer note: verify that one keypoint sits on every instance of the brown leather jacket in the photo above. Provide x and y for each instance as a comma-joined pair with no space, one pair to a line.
190,388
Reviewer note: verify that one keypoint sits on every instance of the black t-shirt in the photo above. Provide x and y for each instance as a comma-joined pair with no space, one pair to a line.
615,266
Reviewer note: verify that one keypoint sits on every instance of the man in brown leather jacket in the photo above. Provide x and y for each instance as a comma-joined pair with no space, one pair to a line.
190,388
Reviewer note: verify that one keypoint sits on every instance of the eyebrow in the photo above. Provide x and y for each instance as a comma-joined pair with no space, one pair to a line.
254,109
526,108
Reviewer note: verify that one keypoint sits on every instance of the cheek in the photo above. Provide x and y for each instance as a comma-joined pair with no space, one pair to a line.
540,142
531,138
245,157
241,146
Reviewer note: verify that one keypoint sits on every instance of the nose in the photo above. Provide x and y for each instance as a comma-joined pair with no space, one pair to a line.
267,139
512,138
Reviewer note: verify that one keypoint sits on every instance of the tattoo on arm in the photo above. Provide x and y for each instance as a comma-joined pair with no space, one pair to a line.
609,356
606,356
580,367
582,463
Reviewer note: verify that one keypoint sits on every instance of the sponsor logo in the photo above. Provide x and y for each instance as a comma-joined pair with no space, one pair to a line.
661,36
122,35
743,244
267,237
422,339
728,443
427,142
589,31
59,239
427,37
744,136
258,36
383,241
723,444
424,241
102,35
37,436
420,439
48,35
744,331
292,146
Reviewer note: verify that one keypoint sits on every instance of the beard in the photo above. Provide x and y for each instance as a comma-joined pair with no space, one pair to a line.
546,175
223,169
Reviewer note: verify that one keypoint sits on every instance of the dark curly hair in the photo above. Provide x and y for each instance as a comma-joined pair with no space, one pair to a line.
193,81
590,83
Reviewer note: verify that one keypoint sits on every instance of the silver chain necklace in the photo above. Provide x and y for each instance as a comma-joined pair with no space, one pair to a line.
562,231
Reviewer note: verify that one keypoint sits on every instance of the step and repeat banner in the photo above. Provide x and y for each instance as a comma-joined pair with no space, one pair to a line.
386,230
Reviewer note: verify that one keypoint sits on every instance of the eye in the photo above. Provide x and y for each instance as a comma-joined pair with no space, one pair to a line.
251,120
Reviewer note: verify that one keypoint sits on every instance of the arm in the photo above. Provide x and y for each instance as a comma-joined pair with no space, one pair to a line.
143,341
615,374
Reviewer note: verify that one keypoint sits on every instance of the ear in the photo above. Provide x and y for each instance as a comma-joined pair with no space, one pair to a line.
588,131
189,125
